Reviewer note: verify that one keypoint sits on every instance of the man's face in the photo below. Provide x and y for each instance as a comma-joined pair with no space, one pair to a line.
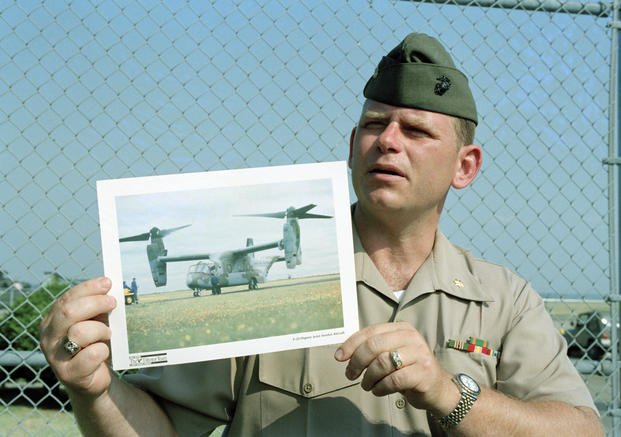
403,159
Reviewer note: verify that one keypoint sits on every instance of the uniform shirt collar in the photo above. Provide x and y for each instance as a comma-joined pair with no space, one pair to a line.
447,269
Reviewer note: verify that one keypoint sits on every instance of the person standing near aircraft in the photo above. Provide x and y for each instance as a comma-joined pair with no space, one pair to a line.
215,284
449,343
134,288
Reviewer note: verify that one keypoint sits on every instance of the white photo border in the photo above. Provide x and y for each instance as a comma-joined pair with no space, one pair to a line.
109,190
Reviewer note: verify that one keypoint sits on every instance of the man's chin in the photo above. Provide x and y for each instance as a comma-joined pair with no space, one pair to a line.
383,200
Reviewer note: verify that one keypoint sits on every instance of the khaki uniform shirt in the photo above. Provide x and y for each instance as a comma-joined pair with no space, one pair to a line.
304,392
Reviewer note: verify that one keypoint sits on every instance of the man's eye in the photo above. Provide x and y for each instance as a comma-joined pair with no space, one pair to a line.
414,131
374,125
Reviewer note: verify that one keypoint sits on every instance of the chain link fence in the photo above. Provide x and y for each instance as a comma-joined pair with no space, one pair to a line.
96,90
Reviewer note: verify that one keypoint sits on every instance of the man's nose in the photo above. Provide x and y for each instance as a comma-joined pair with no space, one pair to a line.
390,138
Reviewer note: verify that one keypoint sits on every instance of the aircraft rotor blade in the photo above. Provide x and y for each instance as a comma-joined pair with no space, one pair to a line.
140,237
301,210
165,232
309,216
154,232
299,213
302,213
281,214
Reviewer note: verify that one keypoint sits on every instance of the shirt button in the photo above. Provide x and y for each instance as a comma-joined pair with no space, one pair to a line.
400,403
308,387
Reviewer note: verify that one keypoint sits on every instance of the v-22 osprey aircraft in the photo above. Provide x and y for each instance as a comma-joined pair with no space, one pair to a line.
232,267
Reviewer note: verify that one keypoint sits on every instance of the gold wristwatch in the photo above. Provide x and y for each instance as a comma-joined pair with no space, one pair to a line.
470,391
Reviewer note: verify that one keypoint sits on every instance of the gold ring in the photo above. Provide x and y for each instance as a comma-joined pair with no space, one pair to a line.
396,360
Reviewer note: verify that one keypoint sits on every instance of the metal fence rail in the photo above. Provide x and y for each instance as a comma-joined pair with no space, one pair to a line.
106,89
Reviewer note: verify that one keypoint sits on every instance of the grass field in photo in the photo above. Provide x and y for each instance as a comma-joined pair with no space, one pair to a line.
171,320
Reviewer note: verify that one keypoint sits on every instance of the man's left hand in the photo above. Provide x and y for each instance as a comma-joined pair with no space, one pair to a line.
418,376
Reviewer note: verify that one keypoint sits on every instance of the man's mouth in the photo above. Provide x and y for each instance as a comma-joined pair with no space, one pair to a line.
386,170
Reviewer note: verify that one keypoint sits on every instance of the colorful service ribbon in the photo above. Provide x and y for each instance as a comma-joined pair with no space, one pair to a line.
473,344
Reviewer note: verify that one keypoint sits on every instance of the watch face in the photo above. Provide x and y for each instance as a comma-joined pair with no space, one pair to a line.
469,383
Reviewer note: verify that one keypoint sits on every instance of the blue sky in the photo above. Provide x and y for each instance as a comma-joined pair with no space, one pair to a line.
100,90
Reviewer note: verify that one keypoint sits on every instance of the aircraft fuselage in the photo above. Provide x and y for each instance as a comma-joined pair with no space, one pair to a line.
199,276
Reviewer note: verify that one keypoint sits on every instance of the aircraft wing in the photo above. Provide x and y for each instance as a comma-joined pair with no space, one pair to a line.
250,249
192,257
231,254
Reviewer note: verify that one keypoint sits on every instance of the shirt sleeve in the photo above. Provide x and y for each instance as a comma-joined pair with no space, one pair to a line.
534,363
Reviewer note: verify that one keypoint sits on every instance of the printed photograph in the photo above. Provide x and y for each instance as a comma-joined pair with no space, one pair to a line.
228,263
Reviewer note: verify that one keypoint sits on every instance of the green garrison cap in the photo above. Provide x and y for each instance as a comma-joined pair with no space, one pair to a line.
419,73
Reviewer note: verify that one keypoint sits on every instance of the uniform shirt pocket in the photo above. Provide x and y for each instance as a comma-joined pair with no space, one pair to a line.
304,372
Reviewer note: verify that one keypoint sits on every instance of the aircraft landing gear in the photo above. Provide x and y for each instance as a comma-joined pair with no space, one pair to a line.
252,284
197,292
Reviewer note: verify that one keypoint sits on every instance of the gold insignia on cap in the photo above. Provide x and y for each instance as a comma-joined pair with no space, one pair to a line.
458,283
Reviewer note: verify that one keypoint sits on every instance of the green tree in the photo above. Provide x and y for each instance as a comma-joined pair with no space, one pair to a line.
19,329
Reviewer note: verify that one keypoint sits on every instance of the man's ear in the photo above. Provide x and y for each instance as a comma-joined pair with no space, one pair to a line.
351,146
469,161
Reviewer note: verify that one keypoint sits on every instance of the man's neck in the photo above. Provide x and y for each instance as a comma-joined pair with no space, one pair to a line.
397,245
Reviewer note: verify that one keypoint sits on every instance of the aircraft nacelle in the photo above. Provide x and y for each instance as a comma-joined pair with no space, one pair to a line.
158,268
158,271
291,243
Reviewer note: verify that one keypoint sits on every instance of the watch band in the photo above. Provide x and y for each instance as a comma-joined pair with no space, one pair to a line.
466,401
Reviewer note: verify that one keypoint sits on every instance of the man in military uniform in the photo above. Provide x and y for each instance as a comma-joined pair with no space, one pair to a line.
449,343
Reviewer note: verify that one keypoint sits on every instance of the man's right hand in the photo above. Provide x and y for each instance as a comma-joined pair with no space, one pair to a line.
103,404
80,314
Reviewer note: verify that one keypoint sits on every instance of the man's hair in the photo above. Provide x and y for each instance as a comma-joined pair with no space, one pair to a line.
464,129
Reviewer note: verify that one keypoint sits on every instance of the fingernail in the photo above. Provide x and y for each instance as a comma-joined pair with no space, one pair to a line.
111,300
349,374
105,282
338,355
